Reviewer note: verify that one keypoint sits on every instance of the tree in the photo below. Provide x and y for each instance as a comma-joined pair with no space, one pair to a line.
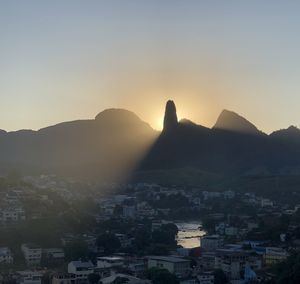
93,278
161,276
165,235
76,250
109,242
220,277
288,272
142,238
120,280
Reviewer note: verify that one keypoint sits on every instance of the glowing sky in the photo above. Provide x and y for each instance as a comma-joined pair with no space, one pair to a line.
66,59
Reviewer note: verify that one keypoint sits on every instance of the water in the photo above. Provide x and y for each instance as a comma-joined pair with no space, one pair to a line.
189,234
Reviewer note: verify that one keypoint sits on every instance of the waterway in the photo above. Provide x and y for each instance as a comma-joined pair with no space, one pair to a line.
189,234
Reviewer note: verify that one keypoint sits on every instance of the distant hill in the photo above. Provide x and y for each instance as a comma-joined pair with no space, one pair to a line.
117,143
234,146
108,146
231,121
291,134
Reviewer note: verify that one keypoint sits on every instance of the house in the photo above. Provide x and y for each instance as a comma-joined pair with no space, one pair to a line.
53,256
12,214
129,211
81,270
211,194
176,265
266,202
231,231
6,256
211,242
125,241
274,255
129,279
32,254
64,278
229,194
206,278
29,277
137,267
109,261
189,280
234,260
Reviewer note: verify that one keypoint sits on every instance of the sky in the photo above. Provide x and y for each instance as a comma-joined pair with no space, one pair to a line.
64,60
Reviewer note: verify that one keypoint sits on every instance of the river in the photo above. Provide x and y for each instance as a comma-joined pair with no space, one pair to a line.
189,234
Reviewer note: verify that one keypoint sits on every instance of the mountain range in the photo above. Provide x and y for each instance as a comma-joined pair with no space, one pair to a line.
232,146
117,143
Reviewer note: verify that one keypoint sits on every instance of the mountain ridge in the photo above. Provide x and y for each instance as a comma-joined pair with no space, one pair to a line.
229,120
117,142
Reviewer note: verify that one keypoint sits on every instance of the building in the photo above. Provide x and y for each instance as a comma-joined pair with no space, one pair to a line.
32,254
274,255
233,262
231,231
229,194
6,256
125,241
53,256
109,262
81,270
176,265
211,242
206,278
129,211
63,278
129,279
12,214
29,277
137,268
266,202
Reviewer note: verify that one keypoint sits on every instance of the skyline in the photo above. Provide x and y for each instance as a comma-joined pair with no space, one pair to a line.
65,60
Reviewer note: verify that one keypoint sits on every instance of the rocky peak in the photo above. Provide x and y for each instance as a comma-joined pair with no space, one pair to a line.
229,120
170,119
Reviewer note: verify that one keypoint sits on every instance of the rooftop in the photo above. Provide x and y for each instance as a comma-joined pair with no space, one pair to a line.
168,258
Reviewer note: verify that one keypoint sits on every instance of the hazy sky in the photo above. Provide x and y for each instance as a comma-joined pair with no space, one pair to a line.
66,59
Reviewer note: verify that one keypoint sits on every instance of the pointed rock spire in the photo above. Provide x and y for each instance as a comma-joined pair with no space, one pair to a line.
170,119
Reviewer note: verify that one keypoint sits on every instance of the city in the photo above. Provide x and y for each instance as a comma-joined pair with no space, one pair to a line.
63,231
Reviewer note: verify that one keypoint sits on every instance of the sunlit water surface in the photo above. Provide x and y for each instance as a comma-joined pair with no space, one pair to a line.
189,234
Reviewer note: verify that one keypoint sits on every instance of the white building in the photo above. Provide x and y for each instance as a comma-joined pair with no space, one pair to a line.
53,255
81,270
266,202
206,278
63,278
275,255
109,261
176,265
231,231
211,242
30,277
229,194
12,214
129,279
32,254
129,211
233,262
6,256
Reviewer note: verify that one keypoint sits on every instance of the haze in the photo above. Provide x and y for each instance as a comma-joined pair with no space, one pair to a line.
66,60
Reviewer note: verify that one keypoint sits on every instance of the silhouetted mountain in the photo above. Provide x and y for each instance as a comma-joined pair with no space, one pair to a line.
291,134
231,121
106,147
228,148
116,142
170,118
